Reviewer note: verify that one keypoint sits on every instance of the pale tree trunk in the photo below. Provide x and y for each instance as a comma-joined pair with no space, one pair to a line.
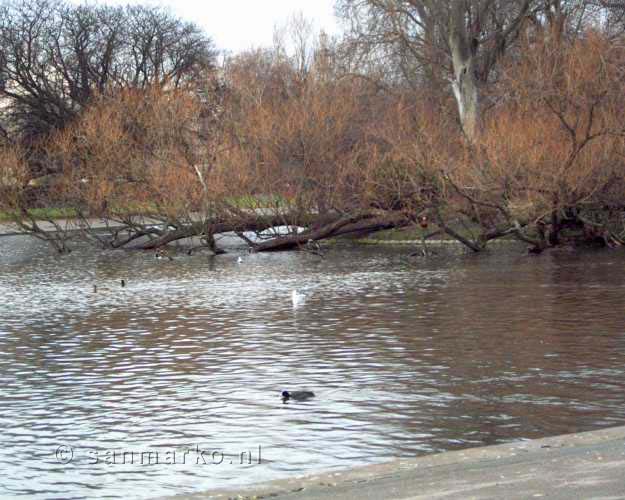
464,83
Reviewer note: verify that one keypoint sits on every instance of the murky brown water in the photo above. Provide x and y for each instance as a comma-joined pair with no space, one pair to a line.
406,357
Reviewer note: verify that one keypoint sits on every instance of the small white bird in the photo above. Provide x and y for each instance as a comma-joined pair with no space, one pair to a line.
240,260
297,298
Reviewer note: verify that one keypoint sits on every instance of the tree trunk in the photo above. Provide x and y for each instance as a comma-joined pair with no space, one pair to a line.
464,84
342,227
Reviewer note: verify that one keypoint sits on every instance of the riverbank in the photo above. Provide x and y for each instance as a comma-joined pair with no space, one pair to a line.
11,229
408,237
582,465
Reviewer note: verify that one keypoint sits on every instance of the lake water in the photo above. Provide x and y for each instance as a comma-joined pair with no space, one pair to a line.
406,356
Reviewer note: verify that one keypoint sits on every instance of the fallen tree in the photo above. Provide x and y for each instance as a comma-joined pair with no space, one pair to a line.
358,224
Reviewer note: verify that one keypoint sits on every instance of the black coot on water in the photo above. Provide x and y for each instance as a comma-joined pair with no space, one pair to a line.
297,395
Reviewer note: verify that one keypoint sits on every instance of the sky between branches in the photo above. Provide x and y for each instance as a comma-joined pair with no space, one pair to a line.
237,25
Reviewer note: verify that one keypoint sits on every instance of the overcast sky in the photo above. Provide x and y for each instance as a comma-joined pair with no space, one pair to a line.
236,25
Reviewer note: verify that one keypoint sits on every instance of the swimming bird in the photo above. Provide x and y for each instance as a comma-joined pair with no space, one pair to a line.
240,260
123,283
297,298
314,248
297,395
161,254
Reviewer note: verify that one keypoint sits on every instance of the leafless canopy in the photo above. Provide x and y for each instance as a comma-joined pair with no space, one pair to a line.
54,56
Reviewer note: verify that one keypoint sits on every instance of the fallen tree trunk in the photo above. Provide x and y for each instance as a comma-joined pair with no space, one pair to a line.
175,235
252,224
319,229
342,227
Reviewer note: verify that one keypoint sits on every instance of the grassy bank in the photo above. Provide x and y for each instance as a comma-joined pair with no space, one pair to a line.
43,214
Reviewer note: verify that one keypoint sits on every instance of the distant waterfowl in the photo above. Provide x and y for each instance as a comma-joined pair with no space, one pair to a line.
297,395
297,298
240,260
105,289
161,254
314,248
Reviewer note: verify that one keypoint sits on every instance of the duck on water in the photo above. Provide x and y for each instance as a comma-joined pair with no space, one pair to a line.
297,395
162,254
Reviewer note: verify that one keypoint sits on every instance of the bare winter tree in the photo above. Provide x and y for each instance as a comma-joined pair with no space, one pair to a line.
459,41
55,56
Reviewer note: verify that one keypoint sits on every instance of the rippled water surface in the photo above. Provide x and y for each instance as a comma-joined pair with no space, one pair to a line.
406,357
